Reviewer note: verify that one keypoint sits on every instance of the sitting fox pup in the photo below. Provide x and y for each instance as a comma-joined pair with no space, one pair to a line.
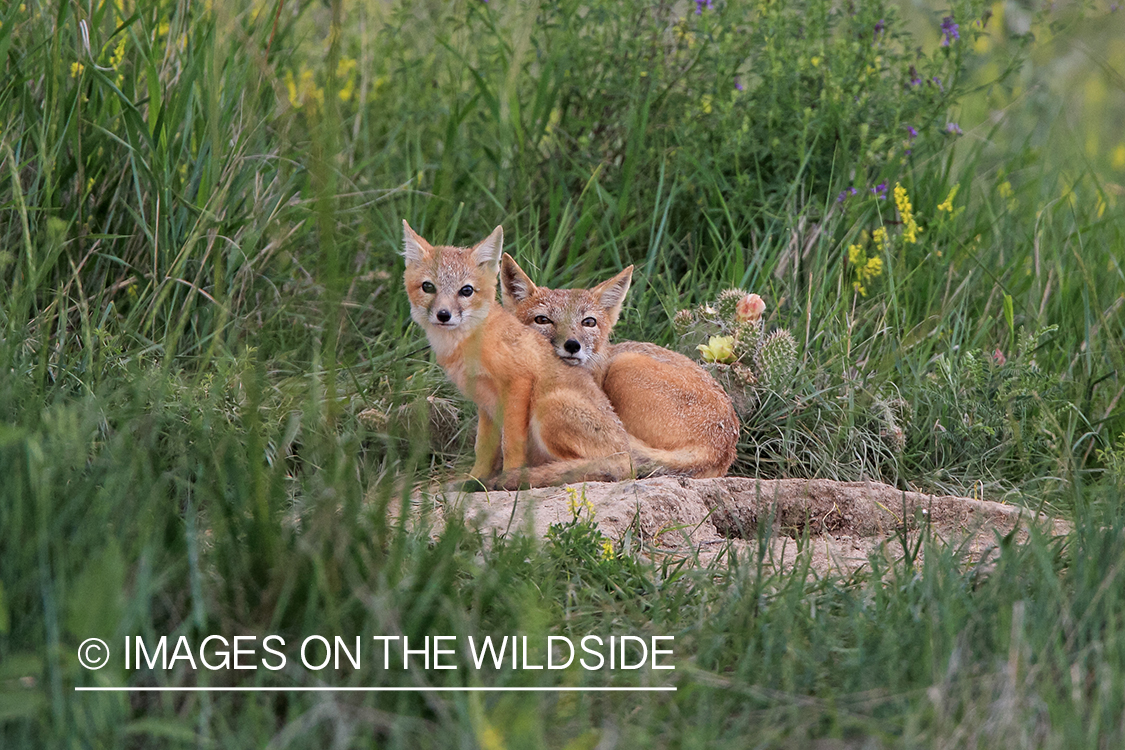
534,410
674,411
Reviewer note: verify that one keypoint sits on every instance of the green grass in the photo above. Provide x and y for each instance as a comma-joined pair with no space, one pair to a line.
199,221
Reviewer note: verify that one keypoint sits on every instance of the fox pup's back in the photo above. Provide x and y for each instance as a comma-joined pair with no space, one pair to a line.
677,414
534,411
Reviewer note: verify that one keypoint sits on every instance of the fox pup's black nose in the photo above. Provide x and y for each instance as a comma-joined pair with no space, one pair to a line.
572,346
443,316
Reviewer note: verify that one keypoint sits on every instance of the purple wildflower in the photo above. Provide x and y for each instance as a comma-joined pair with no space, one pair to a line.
699,5
912,131
845,194
915,79
937,82
737,84
880,190
953,127
1113,7
950,30
880,26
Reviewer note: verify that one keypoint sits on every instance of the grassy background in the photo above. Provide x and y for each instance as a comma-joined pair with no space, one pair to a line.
200,207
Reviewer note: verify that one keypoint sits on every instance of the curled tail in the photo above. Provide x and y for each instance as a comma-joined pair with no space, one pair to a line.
613,468
693,461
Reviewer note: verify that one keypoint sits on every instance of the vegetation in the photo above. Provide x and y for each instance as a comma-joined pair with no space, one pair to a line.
215,407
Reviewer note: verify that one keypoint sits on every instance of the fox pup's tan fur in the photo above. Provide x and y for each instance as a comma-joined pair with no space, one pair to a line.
674,411
540,420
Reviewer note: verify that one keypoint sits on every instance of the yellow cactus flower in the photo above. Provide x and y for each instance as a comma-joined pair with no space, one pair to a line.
718,349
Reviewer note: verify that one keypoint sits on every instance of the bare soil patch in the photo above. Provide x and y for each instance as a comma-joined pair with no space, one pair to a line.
842,522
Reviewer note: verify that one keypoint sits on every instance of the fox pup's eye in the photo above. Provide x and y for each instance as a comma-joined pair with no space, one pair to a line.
589,322
466,291
428,287
542,320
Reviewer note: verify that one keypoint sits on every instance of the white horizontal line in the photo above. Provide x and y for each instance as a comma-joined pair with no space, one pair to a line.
370,689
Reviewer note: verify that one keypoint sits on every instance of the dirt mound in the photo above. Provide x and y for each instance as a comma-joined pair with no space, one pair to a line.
845,521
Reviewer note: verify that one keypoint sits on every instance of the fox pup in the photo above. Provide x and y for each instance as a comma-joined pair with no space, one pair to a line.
677,416
534,410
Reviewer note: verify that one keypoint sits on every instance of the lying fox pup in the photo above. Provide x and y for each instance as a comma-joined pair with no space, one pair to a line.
548,421
674,411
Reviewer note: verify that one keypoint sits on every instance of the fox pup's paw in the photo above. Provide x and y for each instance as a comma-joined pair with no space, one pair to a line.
514,479
472,484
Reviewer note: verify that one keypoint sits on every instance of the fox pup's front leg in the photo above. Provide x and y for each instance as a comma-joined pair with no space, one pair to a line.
516,408
487,448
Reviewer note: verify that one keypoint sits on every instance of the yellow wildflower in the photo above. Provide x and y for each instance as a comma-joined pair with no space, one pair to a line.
1118,160
345,66
705,104
576,503
346,91
866,269
489,738
303,90
910,232
947,204
855,254
607,550
910,229
1005,189
345,72
118,53
880,238
291,87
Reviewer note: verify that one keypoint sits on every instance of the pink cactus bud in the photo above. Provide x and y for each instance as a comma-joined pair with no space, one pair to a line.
750,308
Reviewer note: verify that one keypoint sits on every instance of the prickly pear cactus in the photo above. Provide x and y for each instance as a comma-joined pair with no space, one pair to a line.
731,339
777,360
747,341
727,304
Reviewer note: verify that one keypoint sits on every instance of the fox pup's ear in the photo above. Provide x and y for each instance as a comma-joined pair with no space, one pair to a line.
487,252
414,247
611,293
515,285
